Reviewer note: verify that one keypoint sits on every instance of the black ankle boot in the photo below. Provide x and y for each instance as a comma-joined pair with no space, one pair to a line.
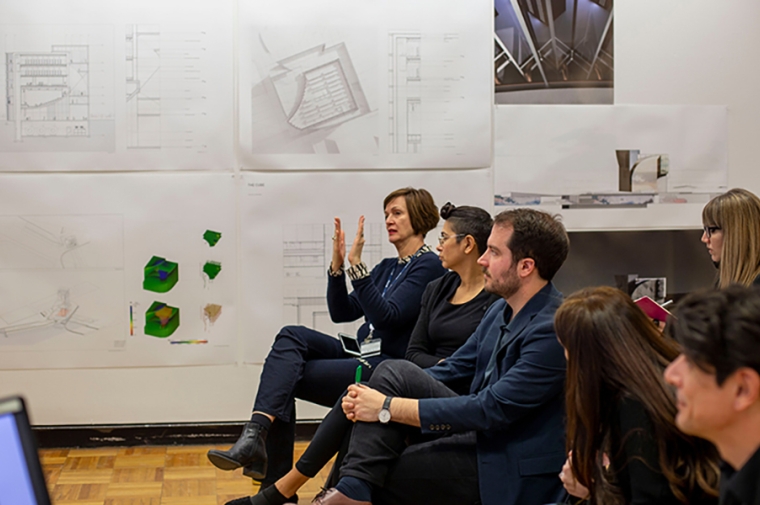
249,451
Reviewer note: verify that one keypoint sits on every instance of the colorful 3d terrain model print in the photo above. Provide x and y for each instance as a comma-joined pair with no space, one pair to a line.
160,275
161,320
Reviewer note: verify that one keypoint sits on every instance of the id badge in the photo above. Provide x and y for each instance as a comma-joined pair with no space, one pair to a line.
371,347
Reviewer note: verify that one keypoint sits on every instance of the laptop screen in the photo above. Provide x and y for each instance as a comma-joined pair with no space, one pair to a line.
21,480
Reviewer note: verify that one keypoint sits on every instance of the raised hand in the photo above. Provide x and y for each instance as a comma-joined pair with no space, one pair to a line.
355,254
339,247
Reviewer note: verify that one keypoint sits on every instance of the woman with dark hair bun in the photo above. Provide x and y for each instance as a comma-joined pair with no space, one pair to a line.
452,307
625,446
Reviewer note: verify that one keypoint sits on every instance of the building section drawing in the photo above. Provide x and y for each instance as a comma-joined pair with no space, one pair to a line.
48,317
48,93
143,66
425,87
61,242
166,87
304,98
547,50
307,253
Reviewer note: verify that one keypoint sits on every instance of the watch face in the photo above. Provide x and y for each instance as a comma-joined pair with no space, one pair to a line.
384,416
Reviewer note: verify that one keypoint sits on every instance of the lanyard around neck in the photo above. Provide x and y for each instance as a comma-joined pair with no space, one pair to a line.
392,278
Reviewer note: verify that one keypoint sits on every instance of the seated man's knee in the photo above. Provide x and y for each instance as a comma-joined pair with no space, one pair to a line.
391,371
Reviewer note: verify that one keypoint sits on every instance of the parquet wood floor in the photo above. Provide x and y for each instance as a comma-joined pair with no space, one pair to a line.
150,476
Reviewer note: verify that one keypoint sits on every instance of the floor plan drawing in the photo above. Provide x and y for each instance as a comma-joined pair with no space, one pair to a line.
166,87
304,98
48,93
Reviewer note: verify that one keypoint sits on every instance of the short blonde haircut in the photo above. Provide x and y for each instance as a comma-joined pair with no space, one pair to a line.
737,214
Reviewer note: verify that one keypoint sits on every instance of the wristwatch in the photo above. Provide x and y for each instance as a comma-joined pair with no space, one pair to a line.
385,413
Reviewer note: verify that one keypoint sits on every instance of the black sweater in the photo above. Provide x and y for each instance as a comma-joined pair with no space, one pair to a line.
443,327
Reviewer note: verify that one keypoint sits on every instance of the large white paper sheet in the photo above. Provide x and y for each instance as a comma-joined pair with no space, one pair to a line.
612,167
349,84
116,86
76,253
286,230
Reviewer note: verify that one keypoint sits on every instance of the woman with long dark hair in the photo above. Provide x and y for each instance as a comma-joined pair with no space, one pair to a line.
625,446
732,236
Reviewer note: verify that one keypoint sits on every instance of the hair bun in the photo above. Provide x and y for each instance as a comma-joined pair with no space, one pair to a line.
447,209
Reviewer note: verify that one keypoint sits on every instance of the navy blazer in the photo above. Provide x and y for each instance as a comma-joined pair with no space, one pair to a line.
517,410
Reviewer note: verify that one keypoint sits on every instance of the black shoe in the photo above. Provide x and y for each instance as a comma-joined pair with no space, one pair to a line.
249,451
246,500
271,496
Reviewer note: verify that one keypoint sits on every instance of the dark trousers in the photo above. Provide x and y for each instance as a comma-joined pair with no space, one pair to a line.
404,466
303,363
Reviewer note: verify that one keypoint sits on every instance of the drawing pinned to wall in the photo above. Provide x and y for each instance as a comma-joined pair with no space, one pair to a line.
80,273
553,51
364,86
571,159
160,275
161,320
116,86
58,96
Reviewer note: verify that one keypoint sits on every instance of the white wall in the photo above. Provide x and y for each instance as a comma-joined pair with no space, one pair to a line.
666,52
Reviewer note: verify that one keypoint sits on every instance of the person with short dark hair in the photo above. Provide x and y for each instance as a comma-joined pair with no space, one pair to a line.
503,443
624,445
717,382
304,363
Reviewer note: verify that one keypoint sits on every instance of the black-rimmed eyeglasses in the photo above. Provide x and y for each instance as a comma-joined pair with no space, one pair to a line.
709,230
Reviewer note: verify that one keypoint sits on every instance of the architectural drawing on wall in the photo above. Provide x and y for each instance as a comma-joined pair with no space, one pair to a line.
46,318
48,93
61,242
165,87
307,252
546,51
425,82
143,54
607,157
304,98
404,93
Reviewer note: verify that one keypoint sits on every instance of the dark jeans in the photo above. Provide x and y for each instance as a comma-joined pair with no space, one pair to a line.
404,466
305,364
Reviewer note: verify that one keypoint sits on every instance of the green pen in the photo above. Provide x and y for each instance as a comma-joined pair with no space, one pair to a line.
358,374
